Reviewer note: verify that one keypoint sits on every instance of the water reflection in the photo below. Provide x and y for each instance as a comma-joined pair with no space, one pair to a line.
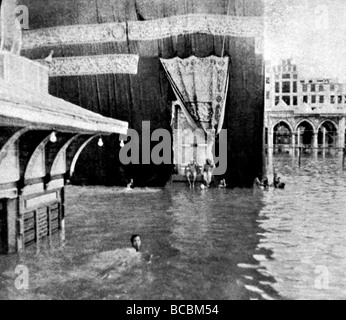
205,246
305,228
215,236
213,244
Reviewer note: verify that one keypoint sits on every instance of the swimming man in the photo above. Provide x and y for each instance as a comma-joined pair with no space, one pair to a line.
136,242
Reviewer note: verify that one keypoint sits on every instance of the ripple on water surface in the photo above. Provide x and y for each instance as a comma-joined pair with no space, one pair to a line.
212,244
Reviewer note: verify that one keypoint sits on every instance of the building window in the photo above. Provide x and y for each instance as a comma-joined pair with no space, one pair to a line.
305,88
332,87
345,99
321,88
277,87
321,99
332,99
313,88
295,100
277,100
295,86
286,76
339,99
286,87
305,99
268,95
268,80
294,68
313,99
287,99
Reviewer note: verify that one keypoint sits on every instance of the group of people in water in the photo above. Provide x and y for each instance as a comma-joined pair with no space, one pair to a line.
264,182
192,170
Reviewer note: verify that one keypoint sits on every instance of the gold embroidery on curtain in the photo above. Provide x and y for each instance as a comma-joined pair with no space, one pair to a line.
201,85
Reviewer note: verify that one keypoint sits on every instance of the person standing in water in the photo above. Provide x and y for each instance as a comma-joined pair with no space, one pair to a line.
130,185
191,172
208,172
258,183
223,184
277,182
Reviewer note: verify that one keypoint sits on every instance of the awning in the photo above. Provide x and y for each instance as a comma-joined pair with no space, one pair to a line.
19,107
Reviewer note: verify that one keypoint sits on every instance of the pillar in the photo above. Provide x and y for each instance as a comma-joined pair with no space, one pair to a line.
324,141
298,138
293,143
270,149
341,134
315,144
298,142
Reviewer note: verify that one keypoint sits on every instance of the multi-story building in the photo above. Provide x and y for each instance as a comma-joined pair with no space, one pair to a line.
303,113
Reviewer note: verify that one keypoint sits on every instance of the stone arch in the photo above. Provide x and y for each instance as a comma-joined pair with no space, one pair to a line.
78,153
36,167
41,161
282,136
59,165
328,134
336,127
305,137
289,125
11,139
28,145
9,162
313,126
53,149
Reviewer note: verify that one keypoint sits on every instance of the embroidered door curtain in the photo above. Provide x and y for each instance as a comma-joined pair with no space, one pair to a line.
201,85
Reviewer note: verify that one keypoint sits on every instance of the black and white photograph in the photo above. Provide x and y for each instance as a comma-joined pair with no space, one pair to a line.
172,154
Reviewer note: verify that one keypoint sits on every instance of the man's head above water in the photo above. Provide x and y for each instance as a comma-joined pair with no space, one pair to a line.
136,242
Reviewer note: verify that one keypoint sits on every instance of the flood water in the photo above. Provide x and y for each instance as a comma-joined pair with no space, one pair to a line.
214,244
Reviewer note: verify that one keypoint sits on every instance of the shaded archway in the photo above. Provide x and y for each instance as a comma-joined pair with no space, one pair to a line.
72,161
327,136
305,134
282,137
